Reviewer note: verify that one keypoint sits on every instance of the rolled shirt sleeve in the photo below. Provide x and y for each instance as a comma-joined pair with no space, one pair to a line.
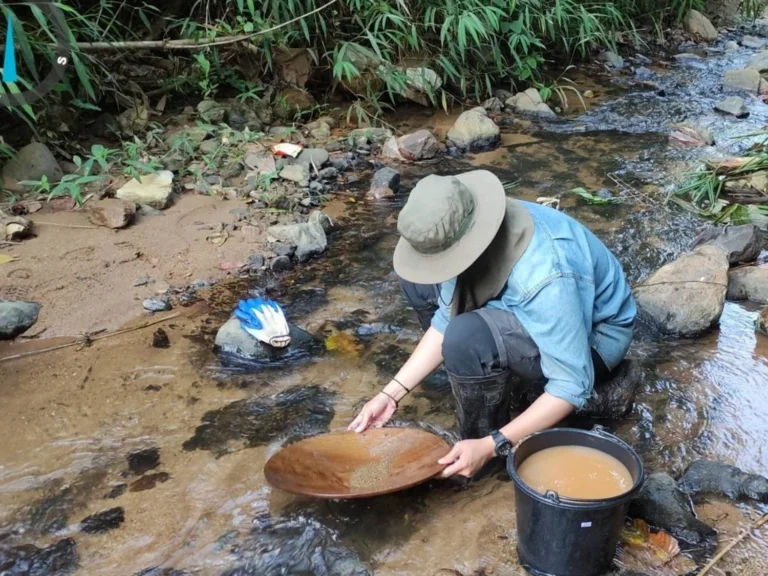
554,319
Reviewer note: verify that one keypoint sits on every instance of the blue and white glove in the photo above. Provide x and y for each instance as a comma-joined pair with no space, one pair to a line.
264,320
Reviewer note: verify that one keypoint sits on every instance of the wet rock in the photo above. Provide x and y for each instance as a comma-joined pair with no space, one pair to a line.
160,339
391,151
149,481
233,341
741,243
447,572
143,461
686,297
761,322
386,178
116,491
750,283
530,102
742,81
154,571
298,173
291,102
295,413
31,163
420,145
733,105
112,213
296,546
473,130
614,398
730,46
752,42
705,477
154,190
699,26
374,135
611,58
758,61
281,264
663,505
309,238
156,304
103,521
692,135
342,162
494,105
211,111
313,157
28,560
16,317
329,173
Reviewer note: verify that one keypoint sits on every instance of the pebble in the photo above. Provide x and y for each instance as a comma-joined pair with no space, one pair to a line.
160,339
281,264
143,281
201,284
156,305
162,287
255,261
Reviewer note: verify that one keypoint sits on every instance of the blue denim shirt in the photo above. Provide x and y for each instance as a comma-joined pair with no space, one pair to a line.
569,291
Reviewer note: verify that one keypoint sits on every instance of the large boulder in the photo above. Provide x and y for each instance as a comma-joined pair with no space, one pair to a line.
309,237
614,398
699,26
706,477
473,130
530,102
733,105
758,61
17,317
750,283
419,145
663,505
686,297
154,190
741,243
233,341
742,81
31,163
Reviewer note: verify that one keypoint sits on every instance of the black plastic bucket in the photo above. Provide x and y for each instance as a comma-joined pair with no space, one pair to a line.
567,537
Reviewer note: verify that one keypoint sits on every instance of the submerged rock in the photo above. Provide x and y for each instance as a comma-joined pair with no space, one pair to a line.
29,560
30,163
663,505
112,213
750,283
741,243
309,238
699,26
759,61
162,572
386,179
154,190
752,42
733,105
685,298
160,339
739,81
730,46
473,130
295,546
614,398
233,340
16,317
292,414
707,477
143,461
530,102
761,322
103,521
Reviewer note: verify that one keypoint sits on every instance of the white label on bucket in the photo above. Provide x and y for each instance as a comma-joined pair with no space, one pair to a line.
586,524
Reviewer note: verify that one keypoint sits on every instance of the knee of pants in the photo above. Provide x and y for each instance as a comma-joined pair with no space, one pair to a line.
469,349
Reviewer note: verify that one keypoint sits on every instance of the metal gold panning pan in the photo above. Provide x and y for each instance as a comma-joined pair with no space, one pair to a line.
344,465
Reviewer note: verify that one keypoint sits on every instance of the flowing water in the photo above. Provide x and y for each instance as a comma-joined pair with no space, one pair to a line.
166,447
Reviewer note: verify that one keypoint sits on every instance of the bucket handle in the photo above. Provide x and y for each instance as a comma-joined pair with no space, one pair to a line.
552,496
601,430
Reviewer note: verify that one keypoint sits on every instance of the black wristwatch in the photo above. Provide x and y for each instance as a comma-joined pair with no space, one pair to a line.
502,446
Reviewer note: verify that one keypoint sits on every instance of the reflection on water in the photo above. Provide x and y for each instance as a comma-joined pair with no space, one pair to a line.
73,422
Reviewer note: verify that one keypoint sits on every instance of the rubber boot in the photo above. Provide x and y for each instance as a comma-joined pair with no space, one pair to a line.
483,405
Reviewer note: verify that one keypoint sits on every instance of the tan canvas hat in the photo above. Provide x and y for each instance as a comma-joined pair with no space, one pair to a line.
447,223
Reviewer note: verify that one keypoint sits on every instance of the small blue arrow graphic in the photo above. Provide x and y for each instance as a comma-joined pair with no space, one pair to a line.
9,60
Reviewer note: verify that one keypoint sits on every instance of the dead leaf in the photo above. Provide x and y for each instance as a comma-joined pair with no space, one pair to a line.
230,265
33,207
218,238
5,258
161,104
343,342
655,549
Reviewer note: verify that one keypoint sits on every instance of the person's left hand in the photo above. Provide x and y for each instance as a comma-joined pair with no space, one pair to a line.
468,457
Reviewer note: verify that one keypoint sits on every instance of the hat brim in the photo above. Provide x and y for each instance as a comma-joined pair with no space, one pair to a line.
487,216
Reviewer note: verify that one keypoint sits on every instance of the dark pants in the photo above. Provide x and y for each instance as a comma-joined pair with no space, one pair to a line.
491,361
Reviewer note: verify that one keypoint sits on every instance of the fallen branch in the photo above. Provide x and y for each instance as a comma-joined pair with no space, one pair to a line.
36,222
189,44
739,538
86,339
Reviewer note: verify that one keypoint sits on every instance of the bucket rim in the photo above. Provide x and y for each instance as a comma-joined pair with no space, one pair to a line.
552,498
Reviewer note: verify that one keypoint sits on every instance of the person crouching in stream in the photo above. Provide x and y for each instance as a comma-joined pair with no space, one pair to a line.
511,295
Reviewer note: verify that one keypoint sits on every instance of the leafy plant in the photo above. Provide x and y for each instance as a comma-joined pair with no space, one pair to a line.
594,199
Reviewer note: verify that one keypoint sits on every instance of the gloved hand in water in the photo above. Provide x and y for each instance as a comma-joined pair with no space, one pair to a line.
264,320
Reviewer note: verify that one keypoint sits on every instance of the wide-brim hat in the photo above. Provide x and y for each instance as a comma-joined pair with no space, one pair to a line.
447,223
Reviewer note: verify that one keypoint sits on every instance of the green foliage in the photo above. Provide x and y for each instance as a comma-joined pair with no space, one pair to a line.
593,199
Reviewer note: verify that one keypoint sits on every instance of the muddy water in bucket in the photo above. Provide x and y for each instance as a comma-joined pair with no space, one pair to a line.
576,472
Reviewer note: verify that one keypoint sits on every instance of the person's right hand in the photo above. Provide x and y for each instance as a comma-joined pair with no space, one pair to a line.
376,413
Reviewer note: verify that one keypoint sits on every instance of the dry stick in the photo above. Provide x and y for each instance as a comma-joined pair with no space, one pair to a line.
190,44
730,546
88,339
36,222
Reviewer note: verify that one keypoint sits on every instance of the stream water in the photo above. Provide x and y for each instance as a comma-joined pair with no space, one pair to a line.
177,439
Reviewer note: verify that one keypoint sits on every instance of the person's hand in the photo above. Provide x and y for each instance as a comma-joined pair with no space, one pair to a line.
376,413
468,457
